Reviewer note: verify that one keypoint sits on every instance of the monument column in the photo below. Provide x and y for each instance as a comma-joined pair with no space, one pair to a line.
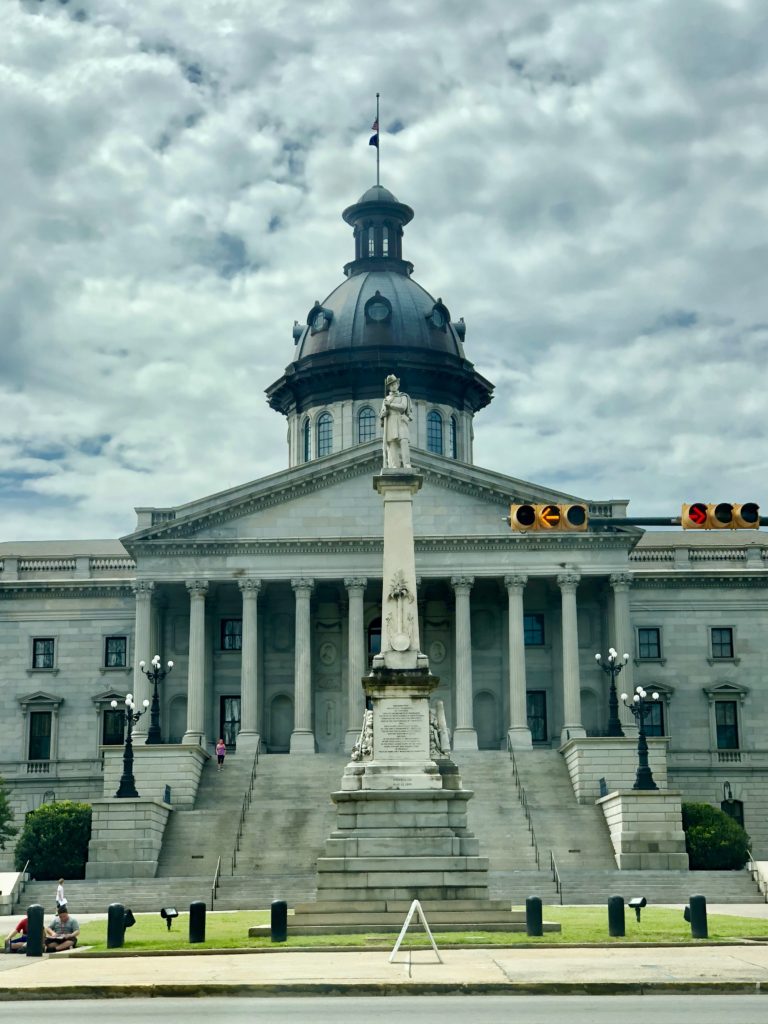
302,737
248,737
519,733
196,672
572,727
624,640
141,643
356,659
464,735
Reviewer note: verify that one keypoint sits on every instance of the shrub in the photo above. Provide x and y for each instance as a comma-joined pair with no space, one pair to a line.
55,841
7,829
714,841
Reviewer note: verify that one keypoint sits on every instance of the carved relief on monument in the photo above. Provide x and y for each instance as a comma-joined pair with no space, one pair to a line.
327,653
399,621
436,651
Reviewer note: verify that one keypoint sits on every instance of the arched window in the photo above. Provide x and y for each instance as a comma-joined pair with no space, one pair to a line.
371,242
453,439
385,241
435,432
324,435
366,424
306,438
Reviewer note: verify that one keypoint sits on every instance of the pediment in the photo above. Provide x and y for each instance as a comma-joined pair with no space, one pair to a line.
40,698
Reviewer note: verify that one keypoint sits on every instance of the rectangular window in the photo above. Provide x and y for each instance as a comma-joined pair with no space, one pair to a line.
40,736
726,723
722,642
649,643
43,652
116,652
654,723
533,629
112,728
231,634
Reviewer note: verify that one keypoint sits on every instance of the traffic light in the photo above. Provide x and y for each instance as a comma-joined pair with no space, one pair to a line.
721,516
561,518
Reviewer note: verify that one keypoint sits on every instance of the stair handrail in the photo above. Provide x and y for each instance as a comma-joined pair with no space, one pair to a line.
523,797
19,886
757,876
556,875
246,804
215,884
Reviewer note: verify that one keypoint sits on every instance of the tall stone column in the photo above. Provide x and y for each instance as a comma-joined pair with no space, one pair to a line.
196,672
302,737
572,727
141,652
356,660
248,737
624,642
519,733
464,735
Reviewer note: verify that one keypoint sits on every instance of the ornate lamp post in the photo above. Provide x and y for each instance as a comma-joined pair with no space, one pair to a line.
613,667
641,708
127,782
155,674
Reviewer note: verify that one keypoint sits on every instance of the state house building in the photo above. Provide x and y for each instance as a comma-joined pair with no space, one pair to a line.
267,596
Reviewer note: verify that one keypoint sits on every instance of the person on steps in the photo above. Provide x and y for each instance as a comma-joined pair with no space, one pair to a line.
221,750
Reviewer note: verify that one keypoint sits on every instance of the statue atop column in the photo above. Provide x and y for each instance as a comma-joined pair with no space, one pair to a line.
396,414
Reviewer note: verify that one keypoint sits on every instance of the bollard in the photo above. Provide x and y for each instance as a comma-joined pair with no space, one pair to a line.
35,930
279,921
616,916
698,905
197,921
533,920
115,925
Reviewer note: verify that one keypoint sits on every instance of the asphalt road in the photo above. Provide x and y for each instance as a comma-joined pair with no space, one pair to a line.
684,1009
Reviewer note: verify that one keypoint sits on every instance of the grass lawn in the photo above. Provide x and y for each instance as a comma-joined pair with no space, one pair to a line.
579,925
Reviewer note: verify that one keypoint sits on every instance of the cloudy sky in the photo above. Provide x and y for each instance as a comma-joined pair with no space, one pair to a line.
590,181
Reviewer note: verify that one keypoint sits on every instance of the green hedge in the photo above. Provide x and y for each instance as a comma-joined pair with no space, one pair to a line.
714,841
55,841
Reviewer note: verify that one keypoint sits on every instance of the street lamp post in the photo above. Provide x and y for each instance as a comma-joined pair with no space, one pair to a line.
641,707
127,786
613,667
155,674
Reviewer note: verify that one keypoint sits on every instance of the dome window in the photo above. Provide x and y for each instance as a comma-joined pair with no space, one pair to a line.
385,241
324,435
453,446
439,317
378,310
319,318
306,439
435,432
366,425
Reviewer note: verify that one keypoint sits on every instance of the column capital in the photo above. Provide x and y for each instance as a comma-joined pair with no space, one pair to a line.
568,581
197,588
143,588
300,583
621,580
355,582
462,583
515,582
250,587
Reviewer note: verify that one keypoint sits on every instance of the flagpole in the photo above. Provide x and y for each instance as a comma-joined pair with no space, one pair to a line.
378,132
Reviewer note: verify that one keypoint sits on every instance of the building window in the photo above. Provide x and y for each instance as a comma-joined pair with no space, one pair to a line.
385,241
374,639
366,424
734,809
306,440
43,652
116,652
726,725
654,723
453,439
722,642
371,242
231,634
40,736
435,432
112,726
533,630
649,643
324,435
536,706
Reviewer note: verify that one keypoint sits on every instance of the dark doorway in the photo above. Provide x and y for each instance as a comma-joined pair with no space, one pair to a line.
229,720
536,701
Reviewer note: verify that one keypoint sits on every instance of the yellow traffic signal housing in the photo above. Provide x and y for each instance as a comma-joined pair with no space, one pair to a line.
560,518
722,515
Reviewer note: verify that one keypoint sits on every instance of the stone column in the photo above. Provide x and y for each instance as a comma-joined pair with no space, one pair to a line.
356,660
625,643
196,672
248,737
572,727
141,652
464,735
518,734
302,737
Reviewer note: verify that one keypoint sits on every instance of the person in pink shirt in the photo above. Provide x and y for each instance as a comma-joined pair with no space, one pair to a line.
221,750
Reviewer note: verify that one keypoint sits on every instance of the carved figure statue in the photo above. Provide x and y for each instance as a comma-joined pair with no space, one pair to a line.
396,414
439,741
363,749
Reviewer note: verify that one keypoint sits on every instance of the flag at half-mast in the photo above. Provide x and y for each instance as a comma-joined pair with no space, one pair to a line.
374,139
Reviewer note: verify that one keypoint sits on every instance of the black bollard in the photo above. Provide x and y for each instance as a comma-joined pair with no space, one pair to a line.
35,930
534,924
616,916
115,925
279,921
197,921
698,905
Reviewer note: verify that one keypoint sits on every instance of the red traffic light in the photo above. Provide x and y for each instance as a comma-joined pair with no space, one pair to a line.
697,513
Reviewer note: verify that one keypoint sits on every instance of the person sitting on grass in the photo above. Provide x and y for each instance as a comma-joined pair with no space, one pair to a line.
16,941
62,933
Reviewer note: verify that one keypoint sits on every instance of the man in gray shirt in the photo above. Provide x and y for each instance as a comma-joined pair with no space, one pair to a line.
62,933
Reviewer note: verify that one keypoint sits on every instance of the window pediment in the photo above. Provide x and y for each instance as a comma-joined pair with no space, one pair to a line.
726,691
40,701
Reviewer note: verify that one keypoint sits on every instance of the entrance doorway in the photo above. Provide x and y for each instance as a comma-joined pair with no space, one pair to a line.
229,720
486,720
280,724
536,701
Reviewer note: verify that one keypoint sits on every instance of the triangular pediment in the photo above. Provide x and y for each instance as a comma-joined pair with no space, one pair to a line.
40,698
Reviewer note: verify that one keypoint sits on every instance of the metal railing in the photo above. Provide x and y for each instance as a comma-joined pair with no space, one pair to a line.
757,876
244,809
524,802
215,883
556,876
19,886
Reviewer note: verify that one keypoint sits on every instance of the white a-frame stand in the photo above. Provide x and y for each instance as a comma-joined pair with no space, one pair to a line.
415,909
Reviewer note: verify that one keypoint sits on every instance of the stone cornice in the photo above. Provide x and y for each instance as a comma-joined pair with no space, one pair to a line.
690,581
57,588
